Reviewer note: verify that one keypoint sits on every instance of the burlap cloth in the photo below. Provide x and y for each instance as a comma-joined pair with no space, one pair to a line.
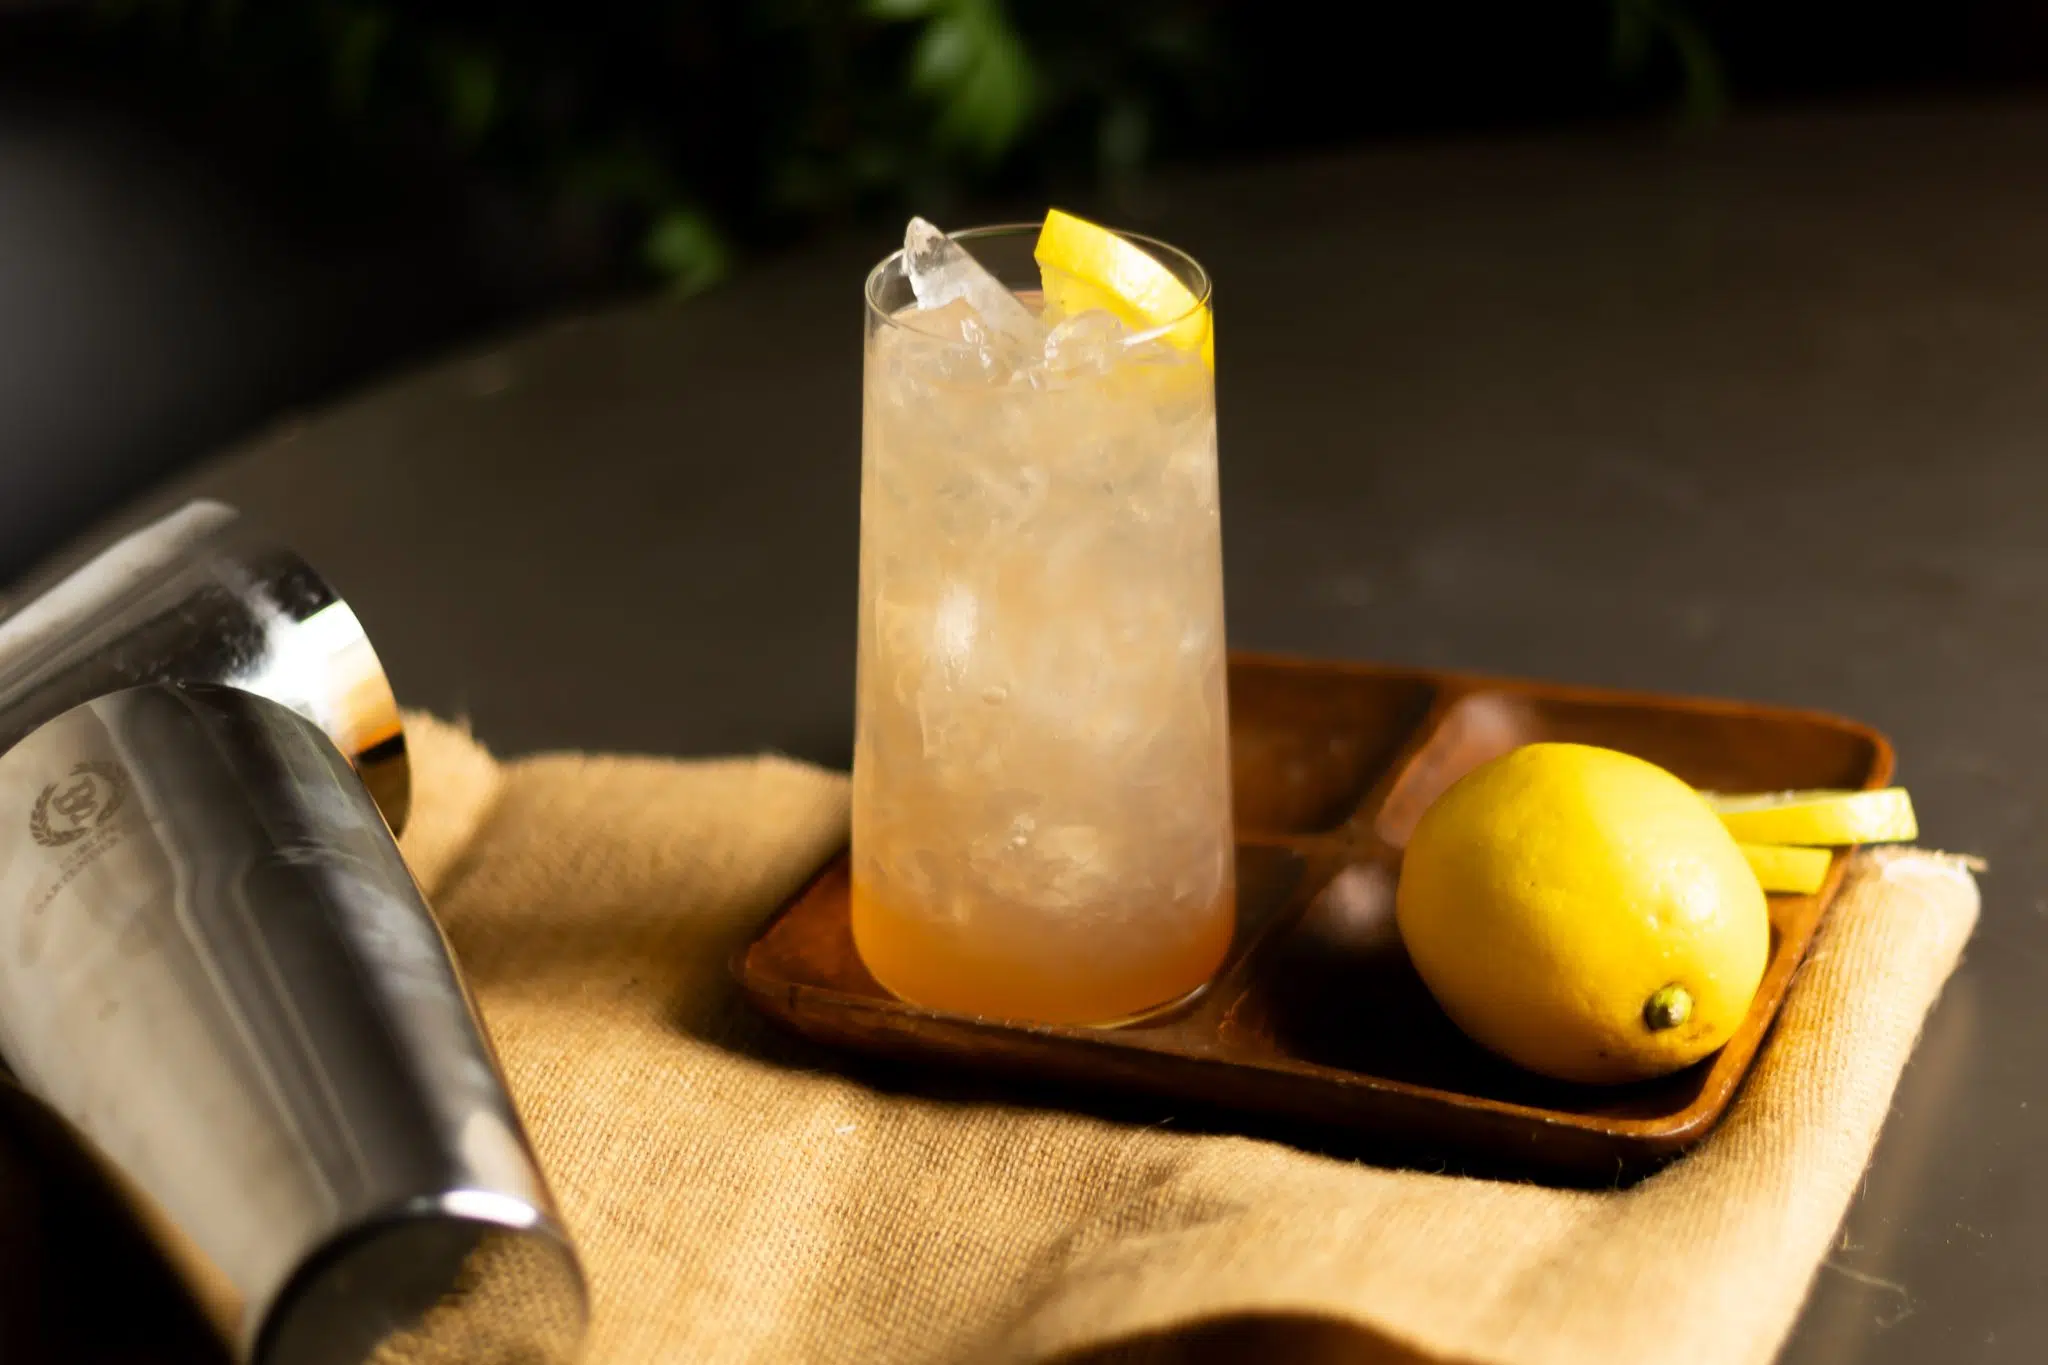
736,1199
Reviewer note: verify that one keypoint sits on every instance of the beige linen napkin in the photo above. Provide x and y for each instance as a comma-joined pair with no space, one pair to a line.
737,1198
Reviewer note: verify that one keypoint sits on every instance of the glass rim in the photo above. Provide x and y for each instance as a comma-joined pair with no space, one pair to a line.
1166,253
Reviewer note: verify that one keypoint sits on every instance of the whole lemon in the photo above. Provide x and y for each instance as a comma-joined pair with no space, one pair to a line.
1584,914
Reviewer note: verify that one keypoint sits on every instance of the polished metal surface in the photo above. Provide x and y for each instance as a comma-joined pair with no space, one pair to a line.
197,596
216,968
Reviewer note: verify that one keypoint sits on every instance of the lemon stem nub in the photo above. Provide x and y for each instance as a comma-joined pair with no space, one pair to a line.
1669,1007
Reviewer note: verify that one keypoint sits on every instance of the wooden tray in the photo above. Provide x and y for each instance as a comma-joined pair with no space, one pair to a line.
1317,1015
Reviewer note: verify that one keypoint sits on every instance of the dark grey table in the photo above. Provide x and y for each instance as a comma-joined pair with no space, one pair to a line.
1761,413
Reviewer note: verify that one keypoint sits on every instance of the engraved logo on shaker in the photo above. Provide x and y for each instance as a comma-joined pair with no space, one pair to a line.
69,810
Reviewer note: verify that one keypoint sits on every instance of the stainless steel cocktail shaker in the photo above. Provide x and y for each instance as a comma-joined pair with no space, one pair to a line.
217,969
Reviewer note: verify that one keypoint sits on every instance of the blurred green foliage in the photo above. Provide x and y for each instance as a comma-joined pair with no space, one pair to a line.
690,127
1643,28
702,124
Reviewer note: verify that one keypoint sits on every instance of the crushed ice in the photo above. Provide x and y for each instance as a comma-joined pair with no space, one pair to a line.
1086,343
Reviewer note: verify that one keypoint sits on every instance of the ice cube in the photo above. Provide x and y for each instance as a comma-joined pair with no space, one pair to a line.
942,271
953,321
1086,343
975,354
1075,865
954,628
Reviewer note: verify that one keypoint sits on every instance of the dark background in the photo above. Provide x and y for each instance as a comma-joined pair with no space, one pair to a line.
214,211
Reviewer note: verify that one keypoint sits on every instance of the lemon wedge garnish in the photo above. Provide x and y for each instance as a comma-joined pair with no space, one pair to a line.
1084,266
1782,868
1818,818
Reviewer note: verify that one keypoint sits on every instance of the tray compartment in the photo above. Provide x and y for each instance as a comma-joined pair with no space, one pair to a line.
1712,745
1336,993
1308,742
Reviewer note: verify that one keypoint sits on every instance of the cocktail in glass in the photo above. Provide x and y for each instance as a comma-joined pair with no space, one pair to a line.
1041,798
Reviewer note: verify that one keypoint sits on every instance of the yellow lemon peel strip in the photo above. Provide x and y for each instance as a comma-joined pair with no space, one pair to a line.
1824,819
1781,868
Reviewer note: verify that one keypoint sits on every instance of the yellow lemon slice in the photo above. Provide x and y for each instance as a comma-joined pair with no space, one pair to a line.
1085,266
1781,868
1821,818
